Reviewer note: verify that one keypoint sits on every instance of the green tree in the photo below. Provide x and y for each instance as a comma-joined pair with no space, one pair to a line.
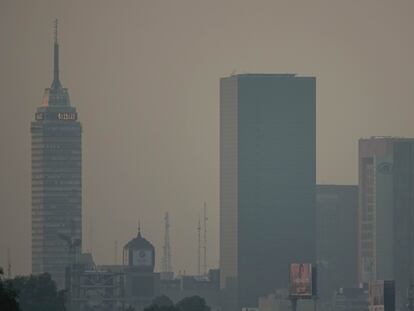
162,301
38,293
193,303
8,296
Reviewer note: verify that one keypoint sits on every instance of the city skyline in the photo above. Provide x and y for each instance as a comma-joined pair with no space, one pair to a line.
152,94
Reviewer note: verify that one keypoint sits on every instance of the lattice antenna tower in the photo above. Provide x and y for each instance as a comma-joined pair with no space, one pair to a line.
166,264
199,248
116,252
9,265
205,239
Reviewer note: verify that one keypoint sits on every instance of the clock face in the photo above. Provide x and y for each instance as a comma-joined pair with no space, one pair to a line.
142,257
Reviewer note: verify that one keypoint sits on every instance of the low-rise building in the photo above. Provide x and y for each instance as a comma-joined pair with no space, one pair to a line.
350,299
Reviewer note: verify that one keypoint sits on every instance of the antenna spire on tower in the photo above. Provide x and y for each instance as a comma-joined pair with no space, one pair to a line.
139,227
56,83
55,28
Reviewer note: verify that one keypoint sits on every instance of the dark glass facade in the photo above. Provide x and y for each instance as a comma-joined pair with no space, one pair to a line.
267,182
403,221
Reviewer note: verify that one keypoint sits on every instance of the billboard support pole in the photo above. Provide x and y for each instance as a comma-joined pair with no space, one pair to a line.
294,302
410,296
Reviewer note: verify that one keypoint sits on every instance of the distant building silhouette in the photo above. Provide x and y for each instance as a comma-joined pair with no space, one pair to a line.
134,283
267,182
56,181
350,299
386,203
336,238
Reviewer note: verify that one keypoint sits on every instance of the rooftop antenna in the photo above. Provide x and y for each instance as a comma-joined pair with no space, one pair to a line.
55,31
116,252
72,243
139,227
199,248
166,265
90,235
205,240
56,83
9,267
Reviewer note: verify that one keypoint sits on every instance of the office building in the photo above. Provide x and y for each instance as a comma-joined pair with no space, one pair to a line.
386,202
336,238
267,182
56,181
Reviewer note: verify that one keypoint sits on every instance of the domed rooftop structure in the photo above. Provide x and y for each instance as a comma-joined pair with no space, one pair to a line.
139,242
139,253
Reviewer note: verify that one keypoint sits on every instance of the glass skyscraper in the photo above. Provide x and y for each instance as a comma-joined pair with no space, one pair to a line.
56,181
267,182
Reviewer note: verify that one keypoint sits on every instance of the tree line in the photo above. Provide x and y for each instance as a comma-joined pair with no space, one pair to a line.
39,293
164,303
30,293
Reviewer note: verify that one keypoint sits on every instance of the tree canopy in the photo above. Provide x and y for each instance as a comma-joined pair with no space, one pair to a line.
193,303
37,293
8,296
162,301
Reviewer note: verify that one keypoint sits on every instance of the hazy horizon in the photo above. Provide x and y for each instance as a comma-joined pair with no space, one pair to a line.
144,77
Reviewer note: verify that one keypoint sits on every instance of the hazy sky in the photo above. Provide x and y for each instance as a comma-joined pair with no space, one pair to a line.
144,77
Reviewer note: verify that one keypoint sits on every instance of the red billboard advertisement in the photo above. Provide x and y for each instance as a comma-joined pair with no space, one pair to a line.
301,280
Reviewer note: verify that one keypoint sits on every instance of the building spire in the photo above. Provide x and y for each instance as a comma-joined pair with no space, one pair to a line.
139,228
56,83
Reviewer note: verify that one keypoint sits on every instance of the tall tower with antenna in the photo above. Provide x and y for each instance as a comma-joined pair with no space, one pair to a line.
56,160
166,265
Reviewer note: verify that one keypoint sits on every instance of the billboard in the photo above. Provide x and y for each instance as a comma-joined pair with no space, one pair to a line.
301,280
381,295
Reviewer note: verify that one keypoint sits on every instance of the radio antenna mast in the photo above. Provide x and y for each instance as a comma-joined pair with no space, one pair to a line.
166,265
9,266
199,248
116,252
205,240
